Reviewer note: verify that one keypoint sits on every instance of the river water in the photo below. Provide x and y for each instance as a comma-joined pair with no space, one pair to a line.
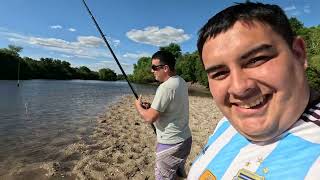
41,117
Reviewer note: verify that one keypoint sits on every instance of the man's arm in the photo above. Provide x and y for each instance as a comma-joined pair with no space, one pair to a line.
149,115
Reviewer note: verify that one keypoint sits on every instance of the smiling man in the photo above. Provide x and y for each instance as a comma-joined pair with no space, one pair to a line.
256,72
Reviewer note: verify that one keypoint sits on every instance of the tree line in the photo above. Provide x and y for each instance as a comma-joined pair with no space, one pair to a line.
12,66
190,68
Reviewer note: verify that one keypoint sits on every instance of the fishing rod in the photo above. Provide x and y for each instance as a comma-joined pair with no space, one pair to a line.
110,49
115,57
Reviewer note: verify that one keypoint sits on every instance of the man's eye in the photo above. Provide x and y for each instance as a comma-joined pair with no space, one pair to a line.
256,61
218,75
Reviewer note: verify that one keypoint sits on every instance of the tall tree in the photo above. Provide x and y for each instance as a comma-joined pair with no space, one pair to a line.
141,71
107,74
296,25
173,48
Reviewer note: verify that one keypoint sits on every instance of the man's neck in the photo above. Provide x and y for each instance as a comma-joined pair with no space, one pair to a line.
173,73
169,75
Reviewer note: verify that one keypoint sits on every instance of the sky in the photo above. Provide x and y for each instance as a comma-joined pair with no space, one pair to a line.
63,29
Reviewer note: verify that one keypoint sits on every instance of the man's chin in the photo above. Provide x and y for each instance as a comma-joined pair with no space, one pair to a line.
257,136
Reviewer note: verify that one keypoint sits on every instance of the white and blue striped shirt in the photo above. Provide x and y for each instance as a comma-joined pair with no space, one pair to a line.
229,155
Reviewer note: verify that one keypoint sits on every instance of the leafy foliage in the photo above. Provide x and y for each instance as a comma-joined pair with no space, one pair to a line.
312,37
142,71
107,74
173,48
191,69
296,25
313,72
45,68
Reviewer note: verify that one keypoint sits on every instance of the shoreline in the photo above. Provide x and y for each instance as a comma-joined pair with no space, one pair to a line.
124,146
121,145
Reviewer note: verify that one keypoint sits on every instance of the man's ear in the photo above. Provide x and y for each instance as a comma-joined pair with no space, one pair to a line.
299,50
166,68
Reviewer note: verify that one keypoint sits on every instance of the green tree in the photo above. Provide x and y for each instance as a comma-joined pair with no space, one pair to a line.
173,48
296,25
186,67
45,68
10,62
190,68
86,73
121,77
201,74
313,43
313,72
142,72
107,74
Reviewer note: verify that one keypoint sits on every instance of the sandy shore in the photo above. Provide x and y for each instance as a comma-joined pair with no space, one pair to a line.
123,146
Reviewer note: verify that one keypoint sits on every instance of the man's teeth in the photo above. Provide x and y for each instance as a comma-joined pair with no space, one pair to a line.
253,103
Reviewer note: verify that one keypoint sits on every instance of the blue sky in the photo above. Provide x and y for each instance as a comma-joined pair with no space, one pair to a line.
62,29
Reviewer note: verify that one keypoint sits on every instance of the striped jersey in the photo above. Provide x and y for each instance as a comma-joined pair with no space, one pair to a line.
229,155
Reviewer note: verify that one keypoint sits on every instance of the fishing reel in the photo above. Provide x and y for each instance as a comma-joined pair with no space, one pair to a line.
145,105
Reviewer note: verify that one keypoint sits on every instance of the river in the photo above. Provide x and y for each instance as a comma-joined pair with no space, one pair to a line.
41,117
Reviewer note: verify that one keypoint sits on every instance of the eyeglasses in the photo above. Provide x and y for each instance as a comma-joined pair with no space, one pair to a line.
157,67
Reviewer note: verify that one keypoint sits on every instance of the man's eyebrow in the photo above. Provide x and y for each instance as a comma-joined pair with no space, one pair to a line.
214,68
262,47
257,49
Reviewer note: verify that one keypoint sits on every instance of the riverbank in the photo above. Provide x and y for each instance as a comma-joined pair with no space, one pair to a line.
123,146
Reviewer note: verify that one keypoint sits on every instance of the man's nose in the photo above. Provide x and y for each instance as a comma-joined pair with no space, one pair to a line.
240,84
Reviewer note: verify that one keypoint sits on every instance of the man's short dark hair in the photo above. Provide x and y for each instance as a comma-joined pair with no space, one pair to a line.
247,12
165,58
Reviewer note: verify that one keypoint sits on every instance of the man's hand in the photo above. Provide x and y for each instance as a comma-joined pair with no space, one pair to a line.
139,103
148,114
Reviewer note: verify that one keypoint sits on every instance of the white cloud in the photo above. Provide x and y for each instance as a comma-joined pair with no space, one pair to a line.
85,46
66,56
136,56
128,68
290,8
115,42
89,41
296,11
89,47
153,35
306,9
56,27
72,29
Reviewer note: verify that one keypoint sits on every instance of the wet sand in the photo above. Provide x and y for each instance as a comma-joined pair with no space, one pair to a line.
122,146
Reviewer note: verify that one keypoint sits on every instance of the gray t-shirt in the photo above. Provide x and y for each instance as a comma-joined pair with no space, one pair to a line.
172,101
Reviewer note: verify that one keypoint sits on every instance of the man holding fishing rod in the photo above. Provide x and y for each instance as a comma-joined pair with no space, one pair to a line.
256,69
169,112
